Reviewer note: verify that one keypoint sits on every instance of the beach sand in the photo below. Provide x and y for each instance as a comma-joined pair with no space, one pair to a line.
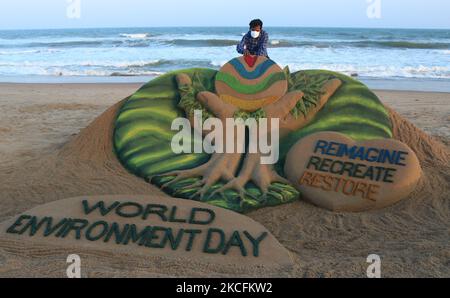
51,149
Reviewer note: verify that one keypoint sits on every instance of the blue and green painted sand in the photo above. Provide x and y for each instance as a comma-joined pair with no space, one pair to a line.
142,135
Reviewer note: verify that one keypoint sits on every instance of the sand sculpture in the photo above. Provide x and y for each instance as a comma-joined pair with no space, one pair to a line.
148,226
334,172
306,102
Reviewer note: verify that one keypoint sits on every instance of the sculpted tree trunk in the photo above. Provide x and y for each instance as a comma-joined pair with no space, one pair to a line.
226,166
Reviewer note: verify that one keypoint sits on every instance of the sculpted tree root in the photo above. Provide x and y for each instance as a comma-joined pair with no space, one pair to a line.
224,167
221,167
253,171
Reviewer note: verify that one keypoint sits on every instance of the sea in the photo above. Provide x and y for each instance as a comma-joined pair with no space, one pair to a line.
403,59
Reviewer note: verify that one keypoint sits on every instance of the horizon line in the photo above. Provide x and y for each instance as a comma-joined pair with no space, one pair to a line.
232,26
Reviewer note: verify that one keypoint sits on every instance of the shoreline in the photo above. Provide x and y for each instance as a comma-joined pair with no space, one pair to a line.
128,84
378,84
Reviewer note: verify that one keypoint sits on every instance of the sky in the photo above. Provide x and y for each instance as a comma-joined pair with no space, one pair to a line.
43,14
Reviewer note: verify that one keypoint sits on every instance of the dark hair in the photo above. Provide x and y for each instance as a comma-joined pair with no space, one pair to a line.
255,23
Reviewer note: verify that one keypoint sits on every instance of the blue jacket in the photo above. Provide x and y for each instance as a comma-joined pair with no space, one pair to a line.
256,46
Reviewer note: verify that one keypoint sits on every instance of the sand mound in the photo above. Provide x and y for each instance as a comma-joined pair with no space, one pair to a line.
84,166
428,149
411,237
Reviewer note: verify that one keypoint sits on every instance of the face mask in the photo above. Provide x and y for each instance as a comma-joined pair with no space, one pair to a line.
255,34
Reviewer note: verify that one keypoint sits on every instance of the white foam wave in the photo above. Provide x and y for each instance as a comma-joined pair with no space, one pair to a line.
62,72
105,64
135,35
19,52
123,64
218,63
381,71
26,52
156,66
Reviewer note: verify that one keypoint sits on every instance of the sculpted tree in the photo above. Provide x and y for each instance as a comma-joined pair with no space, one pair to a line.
243,91
304,102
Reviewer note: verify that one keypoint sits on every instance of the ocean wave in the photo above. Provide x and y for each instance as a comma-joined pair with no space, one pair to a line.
381,71
360,44
100,73
27,52
98,64
131,74
136,64
201,42
229,42
217,64
402,44
135,35
66,44
19,52
99,68
62,72
123,64
158,67
143,41
421,72
100,43
164,64
146,42
283,43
